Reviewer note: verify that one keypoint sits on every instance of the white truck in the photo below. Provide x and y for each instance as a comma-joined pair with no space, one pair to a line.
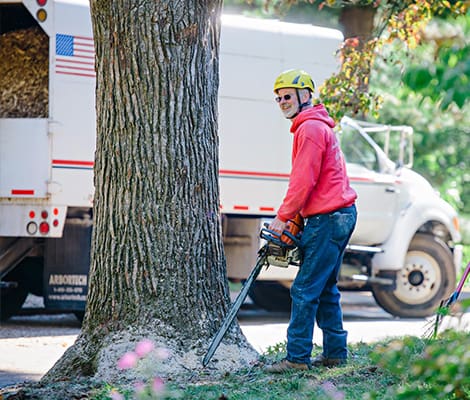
404,246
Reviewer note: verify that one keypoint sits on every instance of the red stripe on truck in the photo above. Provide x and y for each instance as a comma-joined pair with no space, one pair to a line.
22,192
244,208
228,172
73,162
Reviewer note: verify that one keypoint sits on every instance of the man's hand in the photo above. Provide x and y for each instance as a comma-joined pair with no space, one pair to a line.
277,225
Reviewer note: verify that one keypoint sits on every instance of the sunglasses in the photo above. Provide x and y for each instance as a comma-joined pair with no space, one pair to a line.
285,97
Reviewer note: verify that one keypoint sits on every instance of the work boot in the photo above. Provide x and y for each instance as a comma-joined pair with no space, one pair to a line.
322,361
285,365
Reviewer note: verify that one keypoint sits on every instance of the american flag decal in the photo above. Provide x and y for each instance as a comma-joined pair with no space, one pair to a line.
75,55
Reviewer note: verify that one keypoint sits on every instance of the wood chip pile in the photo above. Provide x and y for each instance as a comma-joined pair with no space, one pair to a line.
24,70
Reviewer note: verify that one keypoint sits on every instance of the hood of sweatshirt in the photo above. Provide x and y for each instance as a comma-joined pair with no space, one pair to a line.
317,112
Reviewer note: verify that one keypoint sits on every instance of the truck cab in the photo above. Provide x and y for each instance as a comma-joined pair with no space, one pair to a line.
403,216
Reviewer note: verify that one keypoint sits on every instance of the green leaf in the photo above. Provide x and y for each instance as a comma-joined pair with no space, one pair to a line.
461,97
418,78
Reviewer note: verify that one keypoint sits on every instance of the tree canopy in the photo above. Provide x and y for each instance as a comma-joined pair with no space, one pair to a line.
427,89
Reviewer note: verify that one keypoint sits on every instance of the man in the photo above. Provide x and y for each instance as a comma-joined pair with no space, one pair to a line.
319,190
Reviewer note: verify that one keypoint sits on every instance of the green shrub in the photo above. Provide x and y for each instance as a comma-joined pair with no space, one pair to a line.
428,369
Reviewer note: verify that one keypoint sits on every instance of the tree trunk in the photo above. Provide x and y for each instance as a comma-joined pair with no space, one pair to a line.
358,29
158,267
358,22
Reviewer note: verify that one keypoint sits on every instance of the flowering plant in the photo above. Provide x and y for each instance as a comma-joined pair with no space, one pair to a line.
153,388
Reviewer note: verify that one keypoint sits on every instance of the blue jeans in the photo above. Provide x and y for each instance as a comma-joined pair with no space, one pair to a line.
314,293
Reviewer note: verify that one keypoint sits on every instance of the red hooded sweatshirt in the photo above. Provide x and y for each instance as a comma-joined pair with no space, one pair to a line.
318,182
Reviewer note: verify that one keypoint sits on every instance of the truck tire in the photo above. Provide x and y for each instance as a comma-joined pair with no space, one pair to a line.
270,296
428,277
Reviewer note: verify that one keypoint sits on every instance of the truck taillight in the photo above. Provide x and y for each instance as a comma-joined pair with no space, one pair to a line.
41,3
41,15
44,214
44,228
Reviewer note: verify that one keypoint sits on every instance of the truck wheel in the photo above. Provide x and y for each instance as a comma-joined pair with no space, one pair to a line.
427,277
270,295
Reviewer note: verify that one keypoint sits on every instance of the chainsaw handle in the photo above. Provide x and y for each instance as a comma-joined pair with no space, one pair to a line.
290,236
275,237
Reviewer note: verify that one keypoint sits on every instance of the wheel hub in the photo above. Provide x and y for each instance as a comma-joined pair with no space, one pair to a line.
416,278
416,282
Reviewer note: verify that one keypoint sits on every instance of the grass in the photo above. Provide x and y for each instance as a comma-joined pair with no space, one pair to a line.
405,368
359,377
352,381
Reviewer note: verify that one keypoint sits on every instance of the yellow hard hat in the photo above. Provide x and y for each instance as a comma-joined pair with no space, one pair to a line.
294,78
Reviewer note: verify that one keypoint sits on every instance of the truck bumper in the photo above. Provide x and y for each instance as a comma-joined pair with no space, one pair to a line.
24,219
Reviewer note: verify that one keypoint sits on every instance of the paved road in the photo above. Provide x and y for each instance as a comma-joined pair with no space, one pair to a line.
30,344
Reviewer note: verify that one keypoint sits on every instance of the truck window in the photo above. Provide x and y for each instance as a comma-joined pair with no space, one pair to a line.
357,150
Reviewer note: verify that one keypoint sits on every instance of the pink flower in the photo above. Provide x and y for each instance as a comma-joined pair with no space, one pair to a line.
144,347
128,360
158,386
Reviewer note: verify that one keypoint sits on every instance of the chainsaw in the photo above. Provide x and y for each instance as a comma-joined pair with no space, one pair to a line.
280,250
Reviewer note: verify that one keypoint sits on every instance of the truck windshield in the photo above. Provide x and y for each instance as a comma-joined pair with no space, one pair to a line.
357,150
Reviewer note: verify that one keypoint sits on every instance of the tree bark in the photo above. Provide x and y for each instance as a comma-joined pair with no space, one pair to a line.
158,267
358,22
